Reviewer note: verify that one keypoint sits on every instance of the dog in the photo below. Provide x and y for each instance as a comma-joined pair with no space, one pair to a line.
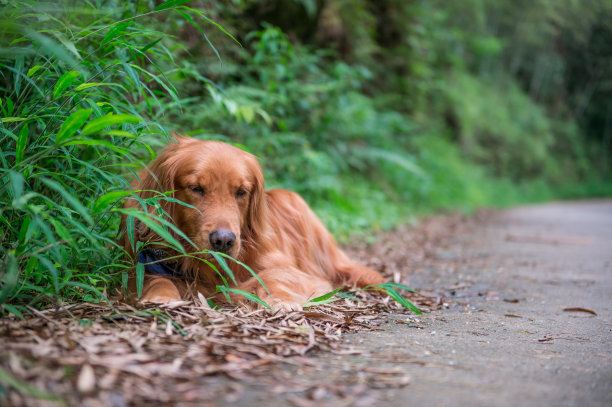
228,210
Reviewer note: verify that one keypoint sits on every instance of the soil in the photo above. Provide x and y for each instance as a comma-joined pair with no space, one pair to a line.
518,313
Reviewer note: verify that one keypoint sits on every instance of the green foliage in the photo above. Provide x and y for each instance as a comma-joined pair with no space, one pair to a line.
78,108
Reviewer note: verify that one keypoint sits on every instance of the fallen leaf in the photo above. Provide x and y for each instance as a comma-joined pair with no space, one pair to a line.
86,383
580,309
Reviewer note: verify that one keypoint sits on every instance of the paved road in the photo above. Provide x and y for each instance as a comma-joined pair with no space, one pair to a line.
529,281
529,321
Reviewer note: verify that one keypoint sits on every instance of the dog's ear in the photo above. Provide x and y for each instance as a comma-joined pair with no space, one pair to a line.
158,177
257,217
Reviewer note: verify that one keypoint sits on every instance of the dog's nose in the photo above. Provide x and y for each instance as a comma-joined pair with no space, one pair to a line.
222,240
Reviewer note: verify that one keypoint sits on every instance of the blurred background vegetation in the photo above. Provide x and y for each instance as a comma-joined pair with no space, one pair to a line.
374,110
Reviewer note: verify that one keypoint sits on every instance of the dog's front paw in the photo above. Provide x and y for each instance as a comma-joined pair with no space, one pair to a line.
278,304
160,290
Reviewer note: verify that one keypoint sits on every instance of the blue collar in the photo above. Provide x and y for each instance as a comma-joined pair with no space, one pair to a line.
151,259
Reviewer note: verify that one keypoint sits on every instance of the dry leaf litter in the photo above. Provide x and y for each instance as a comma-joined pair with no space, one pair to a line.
186,353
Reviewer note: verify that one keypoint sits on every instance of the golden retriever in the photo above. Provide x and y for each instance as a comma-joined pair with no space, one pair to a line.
274,232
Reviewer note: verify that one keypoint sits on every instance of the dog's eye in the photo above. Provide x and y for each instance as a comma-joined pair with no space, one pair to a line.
241,192
197,189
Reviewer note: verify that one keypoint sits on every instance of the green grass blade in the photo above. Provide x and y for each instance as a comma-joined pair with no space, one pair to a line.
245,294
223,265
140,271
74,202
323,299
156,224
391,292
250,270
22,141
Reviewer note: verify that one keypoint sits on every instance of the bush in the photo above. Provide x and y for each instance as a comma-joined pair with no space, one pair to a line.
79,105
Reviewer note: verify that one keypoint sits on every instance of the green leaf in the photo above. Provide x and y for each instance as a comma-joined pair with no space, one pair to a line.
140,271
33,70
401,300
102,143
392,285
115,32
169,4
245,294
19,62
25,232
51,47
130,231
323,299
198,12
326,296
61,230
105,200
156,224
16,184
149,45
10,277
7,379
12,119
250,270
110,119
22,141
86,287
14,309
71,199
196,25
224,265
72,124
9,106
64,82
84,86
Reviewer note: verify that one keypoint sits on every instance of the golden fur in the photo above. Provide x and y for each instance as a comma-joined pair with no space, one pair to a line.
276,233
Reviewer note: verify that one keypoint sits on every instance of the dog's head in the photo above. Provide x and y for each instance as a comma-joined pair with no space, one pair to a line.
223,183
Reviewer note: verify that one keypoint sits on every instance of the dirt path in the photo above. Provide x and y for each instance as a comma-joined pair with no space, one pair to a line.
520,329
521,306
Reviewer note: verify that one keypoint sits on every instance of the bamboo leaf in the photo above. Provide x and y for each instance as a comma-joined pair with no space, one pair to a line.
156,224
64,82
224,265
84,86
17,182
105,200
323,299
12,119
245,294
110,119
140,271
391,292
169,4
22,141
72,124
250,270
33,70
115,32
71,199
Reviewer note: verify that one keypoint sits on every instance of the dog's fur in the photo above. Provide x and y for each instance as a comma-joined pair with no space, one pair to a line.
276,234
